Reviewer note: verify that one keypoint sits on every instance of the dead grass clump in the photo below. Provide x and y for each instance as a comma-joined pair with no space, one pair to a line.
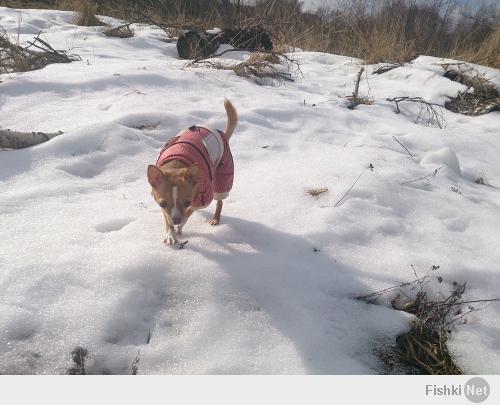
480,97
267,67
354,101
86,10
473,104
424,346
79,354
315,192
122,31
263,67
423,349
483,180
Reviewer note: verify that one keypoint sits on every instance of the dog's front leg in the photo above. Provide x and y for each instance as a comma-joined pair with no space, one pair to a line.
218,209
170,239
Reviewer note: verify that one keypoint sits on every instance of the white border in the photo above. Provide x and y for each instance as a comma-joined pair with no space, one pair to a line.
234,390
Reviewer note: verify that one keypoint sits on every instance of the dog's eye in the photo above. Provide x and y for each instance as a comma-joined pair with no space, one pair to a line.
187,203
163,204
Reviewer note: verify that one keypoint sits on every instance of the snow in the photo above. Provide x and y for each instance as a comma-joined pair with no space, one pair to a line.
81,256
443,156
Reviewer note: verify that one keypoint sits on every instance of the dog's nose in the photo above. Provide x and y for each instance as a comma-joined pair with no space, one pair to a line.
177,220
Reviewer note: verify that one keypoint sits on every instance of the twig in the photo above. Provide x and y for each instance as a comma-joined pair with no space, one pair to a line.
389,289
370,167
358,79
464,302
404,147
424,177
434,116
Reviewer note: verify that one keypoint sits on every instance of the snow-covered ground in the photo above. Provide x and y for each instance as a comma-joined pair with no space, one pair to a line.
82,259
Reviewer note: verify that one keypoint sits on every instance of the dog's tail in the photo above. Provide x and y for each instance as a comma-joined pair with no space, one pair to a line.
232,119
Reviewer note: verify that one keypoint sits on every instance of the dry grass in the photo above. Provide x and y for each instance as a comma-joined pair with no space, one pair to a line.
86,10
264,68
122,31
480,97
373,30
423,349
315,192
485,52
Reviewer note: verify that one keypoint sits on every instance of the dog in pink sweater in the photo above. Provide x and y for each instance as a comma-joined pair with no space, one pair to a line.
194,168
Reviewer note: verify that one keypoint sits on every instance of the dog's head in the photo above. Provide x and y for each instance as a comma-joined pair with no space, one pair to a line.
174,191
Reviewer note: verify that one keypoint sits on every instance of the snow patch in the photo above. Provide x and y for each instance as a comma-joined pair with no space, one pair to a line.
442,157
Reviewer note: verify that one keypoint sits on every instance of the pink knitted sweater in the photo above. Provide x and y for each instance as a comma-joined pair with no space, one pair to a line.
211,152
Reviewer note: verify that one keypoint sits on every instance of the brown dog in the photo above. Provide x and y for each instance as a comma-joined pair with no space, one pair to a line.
194,168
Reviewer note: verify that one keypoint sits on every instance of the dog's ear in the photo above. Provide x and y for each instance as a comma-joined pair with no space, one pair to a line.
155,176
193,173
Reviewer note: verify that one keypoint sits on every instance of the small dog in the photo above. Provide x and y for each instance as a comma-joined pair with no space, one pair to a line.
194,168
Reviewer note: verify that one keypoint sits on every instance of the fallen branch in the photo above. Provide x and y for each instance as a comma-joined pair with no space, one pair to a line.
428,114
19,140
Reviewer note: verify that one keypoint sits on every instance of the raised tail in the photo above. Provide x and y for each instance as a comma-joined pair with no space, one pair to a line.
232,119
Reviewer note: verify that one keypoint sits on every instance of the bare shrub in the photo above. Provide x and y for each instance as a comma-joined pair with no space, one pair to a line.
38,54
430,114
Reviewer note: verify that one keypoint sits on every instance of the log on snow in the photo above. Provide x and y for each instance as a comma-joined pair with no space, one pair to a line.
19,140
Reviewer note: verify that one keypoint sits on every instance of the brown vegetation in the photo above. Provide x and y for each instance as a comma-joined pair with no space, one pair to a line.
376,31
423,349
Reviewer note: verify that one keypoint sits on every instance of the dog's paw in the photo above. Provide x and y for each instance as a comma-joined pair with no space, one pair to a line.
170,240
214,221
